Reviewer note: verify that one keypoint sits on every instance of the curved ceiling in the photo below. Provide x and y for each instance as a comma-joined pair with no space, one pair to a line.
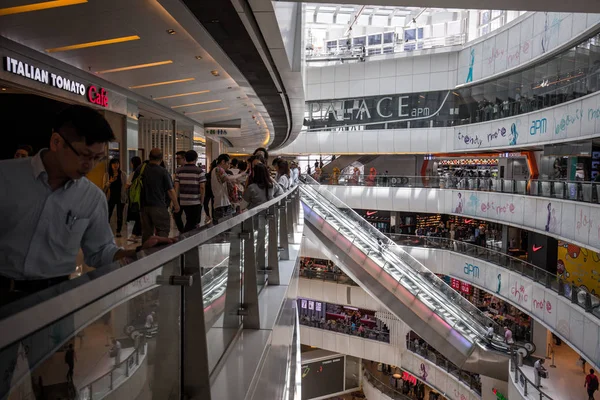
140,46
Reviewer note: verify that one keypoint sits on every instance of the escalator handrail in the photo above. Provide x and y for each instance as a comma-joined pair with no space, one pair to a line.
483,320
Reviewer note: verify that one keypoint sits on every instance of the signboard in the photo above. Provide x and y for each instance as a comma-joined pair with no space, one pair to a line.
321,378
70,86
455,284
378,109
220,131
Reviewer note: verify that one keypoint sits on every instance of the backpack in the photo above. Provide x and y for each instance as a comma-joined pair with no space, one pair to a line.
593,383
135,191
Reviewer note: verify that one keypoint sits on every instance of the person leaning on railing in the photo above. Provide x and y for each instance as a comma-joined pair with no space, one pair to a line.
52,210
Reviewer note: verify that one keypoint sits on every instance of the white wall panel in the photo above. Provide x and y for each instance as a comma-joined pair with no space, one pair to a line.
372,87
341,90
342,72
372,70
387,85
387,69
357,71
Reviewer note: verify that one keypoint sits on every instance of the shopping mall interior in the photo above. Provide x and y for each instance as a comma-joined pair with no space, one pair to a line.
300,200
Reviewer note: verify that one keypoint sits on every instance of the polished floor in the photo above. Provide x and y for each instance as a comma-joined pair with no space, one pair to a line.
565,381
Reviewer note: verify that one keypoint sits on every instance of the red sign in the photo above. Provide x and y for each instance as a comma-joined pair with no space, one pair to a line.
465,288
536,248
455,284
409,378
97,96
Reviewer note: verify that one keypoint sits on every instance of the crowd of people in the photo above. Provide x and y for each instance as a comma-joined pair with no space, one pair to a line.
350,324
55,205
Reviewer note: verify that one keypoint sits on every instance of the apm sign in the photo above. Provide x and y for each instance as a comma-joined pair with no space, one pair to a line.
94,94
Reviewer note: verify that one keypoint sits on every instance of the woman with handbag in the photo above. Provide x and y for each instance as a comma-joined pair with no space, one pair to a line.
116,194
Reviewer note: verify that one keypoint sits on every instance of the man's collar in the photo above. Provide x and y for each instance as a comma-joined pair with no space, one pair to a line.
38,164
39,168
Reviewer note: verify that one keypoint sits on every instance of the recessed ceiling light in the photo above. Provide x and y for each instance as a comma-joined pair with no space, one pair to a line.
93,44
214,72
154,64
181,95
197,104
198,57
171,31
206,111
39,6
161,83
3,89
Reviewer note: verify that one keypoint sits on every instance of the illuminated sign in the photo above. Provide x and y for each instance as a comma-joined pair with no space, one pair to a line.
34,73
221,131
409,378
97,96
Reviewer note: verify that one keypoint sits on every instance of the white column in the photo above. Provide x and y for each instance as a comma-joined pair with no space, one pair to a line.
539,337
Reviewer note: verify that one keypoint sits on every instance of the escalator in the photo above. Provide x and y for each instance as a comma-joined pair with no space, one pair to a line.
437,313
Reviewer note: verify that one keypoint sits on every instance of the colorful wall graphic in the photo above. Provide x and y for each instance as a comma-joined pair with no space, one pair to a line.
580,265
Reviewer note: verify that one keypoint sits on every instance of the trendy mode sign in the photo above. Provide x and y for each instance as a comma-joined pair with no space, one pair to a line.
94,94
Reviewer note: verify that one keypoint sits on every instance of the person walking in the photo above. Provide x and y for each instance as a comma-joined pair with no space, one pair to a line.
133,213
115,351
70,358
157,185
177,216
115,184
591,383
190,183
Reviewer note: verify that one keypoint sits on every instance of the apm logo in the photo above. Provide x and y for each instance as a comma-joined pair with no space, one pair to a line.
538,126
471,269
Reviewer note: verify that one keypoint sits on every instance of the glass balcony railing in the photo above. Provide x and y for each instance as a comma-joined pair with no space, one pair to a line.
429,353
337,277
577,295
340,327
582,191
174,313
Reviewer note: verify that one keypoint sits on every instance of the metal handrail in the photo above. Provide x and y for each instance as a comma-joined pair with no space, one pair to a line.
590,304
422,271
84,290
447,365
319,325
373,380
521,378
327,276
115,367
579,191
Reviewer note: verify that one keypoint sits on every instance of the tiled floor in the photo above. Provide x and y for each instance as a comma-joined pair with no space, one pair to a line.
565,382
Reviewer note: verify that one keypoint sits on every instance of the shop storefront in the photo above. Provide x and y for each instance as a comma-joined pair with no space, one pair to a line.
33,92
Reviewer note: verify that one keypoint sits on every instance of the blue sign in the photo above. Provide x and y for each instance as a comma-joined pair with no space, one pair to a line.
538,126
471,269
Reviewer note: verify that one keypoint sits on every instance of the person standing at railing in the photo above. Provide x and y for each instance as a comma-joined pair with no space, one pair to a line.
539,372
70,358
52,210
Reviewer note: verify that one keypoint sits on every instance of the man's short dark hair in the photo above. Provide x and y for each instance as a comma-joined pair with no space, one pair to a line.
190,156
155,154
27,148
81,123
181,153
234,162
261,150
222,157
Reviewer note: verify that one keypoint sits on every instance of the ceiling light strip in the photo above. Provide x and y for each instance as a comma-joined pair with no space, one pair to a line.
94,44
131,67
161,83
206,111
39,6
197,104
181,95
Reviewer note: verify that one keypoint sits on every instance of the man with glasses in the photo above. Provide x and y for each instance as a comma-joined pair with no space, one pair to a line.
53,210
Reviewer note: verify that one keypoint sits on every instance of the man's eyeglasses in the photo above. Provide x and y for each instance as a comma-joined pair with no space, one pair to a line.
93,158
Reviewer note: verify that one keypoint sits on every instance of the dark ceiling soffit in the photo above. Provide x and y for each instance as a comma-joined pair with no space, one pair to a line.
223,23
